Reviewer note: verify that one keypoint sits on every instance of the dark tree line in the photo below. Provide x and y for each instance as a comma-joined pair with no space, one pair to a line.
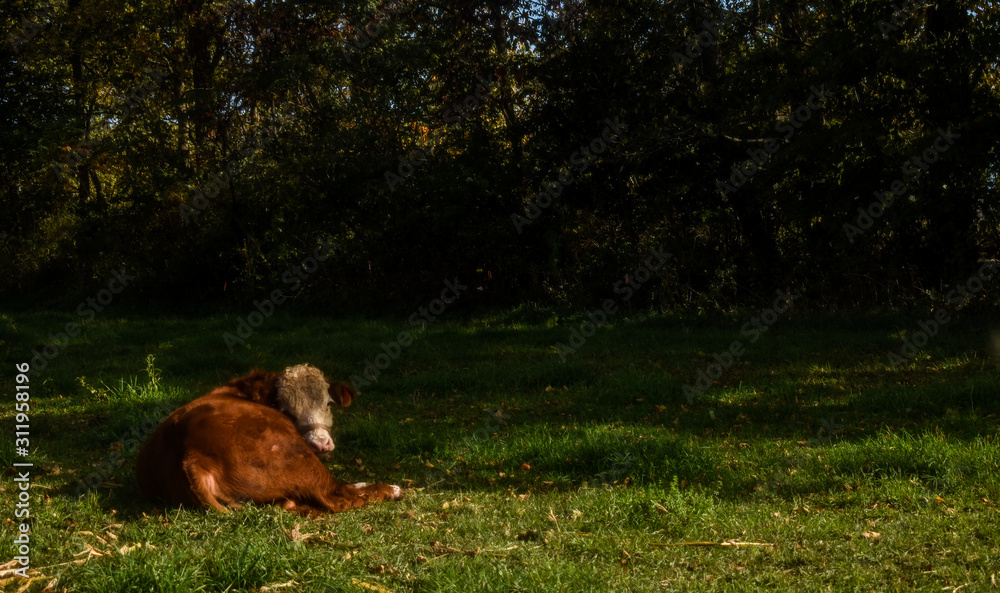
535,150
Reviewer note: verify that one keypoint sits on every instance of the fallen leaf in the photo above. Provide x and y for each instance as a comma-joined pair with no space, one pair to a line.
89,551
9,565
50,587
276,586
126,549
370,586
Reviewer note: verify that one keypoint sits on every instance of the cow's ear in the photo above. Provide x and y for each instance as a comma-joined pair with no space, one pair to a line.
342,393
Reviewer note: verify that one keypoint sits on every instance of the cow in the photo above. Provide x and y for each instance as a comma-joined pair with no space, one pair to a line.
255,439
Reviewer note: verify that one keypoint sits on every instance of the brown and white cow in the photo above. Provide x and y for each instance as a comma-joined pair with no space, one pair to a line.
256,439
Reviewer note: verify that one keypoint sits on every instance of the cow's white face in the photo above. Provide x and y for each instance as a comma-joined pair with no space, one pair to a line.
304,394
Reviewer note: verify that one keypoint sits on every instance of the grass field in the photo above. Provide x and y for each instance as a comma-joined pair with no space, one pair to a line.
811,464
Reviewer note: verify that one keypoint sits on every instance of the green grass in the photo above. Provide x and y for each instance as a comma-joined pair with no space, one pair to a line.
524,473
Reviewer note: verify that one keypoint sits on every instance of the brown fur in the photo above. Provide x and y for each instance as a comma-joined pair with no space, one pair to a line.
258,386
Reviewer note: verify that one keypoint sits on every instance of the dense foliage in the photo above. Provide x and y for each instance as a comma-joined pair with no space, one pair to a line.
534,150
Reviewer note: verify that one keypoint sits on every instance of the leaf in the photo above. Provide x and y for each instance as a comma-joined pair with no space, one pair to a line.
276,586
370,586
50,587
126,549
89,551
295,534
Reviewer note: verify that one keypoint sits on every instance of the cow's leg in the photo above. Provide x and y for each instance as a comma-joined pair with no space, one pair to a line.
302,509
343,497
352,496
378,491
205,486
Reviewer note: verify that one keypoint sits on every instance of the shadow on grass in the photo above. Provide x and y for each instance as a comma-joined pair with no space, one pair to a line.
613,413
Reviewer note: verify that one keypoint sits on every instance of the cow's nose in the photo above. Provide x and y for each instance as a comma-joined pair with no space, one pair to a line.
319,441
324,444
